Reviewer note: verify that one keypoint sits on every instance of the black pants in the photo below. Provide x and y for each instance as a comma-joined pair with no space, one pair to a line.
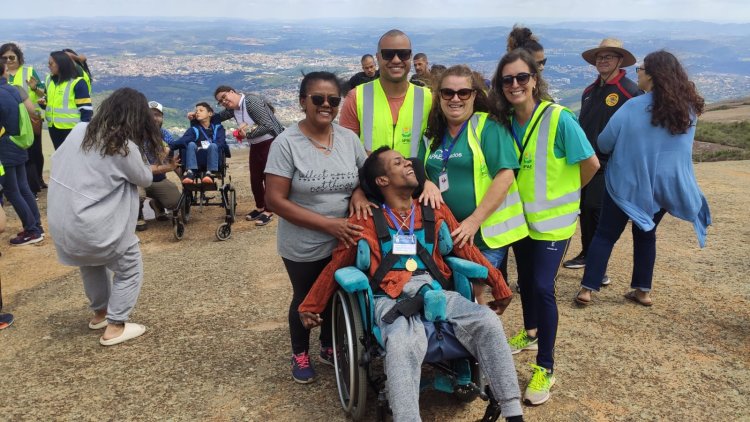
58,136
592,196
302,276
35,165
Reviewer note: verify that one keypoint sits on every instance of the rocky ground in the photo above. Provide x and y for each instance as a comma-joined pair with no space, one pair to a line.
218,345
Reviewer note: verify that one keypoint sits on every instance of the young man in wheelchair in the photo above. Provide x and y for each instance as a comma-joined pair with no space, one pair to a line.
206,137
390,180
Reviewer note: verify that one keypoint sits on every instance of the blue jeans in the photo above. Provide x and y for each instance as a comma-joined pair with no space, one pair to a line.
537,262
495,256
612,222
210,157
20,197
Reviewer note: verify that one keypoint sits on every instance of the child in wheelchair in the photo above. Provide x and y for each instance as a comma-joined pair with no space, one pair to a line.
202,144
402,270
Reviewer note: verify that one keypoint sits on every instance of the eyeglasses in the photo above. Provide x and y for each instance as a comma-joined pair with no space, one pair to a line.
10,58
319,100
388,54
639,68
463,94
522,79
542,62
607,57
222,98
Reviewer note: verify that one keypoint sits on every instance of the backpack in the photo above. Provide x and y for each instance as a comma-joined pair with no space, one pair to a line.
25,137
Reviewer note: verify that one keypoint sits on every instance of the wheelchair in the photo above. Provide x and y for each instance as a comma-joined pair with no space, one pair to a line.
358,344
195,195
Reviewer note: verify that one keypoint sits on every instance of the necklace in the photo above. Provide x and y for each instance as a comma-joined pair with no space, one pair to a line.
326,149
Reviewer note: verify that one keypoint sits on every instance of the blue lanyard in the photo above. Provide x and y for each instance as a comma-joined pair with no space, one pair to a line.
447,153
396,222
211,139
522,145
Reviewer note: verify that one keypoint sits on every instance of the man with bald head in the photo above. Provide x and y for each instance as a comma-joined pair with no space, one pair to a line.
389,111
369,72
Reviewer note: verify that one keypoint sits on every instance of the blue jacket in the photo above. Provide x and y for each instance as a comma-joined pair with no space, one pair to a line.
196,133
649,169
10,153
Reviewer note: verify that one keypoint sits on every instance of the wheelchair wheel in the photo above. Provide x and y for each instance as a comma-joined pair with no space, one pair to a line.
351,377
179,230
224,231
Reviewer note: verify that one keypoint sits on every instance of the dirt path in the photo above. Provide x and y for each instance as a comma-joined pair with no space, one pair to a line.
218,343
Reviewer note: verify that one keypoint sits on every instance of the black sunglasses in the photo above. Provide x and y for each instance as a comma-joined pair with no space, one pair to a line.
522,79
319,100
542,62
463,94
388,54
10,58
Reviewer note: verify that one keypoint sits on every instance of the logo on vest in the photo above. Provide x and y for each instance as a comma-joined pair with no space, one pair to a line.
612,100
406,135
528,161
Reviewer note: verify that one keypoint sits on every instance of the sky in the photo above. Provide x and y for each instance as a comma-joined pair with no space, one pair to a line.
505,11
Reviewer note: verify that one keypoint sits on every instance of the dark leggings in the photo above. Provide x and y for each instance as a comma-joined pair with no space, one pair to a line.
302,276
35,164
58,136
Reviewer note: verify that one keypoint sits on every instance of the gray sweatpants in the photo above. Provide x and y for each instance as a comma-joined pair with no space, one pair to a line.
476,327
116,285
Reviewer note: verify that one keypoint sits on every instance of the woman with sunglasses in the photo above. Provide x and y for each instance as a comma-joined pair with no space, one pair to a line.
311,174
556,160
25,77
650,173
68,101
471,158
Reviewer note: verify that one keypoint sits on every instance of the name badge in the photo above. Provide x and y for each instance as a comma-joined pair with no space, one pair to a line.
205,144
443,182
404,244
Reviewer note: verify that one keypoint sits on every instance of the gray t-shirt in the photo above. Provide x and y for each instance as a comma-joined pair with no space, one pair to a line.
320,183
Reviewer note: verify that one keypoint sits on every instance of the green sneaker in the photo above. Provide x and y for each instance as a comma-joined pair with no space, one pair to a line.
522,341
537,392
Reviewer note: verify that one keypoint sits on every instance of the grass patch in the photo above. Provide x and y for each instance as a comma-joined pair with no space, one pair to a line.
735,134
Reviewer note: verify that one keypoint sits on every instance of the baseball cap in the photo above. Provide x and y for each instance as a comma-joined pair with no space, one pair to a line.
158,106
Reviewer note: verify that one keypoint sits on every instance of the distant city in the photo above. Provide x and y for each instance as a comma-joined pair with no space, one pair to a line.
180,63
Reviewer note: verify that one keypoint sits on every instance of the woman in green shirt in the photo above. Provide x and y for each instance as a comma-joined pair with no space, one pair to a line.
469,158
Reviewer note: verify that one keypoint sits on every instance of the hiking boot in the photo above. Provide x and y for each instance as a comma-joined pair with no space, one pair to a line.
537,392
26,238
326,355
576,263
606,281
522,341
302,370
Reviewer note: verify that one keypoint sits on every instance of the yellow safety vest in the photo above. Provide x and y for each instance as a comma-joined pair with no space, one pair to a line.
507,223
550,188
376,128
23,74
62,111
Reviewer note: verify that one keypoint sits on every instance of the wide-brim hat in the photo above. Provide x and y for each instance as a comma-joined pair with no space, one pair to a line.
610,44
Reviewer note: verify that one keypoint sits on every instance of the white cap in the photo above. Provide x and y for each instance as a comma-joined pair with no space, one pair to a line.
154,104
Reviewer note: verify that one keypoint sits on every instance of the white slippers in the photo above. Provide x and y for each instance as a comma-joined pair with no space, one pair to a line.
131,331
99,325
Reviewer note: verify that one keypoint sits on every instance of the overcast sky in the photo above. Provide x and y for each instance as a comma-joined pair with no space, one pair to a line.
503,10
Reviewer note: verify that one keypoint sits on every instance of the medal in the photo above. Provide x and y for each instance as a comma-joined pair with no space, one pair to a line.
411,264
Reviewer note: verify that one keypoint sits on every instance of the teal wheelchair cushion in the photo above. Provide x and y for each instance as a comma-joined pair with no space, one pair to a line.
351,279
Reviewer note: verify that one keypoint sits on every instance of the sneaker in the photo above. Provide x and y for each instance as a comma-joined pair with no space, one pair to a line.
576,263
263,219
606,281
326,355
188,179
537,392
253,215
207,179
6,320
522,341
302,370
26,239
141,225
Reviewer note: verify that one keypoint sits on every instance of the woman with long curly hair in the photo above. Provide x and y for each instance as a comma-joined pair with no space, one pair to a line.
93,206
650,173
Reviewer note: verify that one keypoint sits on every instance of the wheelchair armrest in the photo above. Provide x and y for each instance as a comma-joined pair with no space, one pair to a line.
466,268
351,279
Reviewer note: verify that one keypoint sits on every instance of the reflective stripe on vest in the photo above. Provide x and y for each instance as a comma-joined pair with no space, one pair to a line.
413,111
26,72
552,211
62,111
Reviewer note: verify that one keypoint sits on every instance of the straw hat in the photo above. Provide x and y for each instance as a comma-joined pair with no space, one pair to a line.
610,44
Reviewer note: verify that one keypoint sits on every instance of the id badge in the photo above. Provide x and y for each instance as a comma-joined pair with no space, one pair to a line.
205,144
443,182
405,244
